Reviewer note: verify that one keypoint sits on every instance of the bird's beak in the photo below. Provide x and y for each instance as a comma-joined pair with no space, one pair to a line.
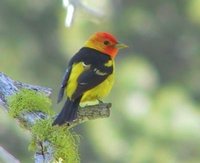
121,46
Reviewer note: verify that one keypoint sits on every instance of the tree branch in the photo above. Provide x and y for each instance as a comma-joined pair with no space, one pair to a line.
72,5
7,157
9,87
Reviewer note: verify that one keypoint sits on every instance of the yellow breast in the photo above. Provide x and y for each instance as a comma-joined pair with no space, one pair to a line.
100,91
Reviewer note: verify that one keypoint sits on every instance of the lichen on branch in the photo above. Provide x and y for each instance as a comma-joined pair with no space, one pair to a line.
31,106
29,101
62,141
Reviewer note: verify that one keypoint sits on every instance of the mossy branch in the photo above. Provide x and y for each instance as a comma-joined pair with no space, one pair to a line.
29,117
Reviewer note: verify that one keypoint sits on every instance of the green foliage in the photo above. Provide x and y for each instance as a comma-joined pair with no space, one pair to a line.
27,101
62,141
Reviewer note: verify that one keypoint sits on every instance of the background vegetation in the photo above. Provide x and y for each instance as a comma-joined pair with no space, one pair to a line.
155,115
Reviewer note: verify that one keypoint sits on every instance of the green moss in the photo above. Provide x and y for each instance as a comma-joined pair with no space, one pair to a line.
28,100
62,141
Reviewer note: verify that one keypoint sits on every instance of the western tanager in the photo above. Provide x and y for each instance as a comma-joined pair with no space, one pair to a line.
90,74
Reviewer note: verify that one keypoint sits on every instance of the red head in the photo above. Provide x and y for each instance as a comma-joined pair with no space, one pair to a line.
105,43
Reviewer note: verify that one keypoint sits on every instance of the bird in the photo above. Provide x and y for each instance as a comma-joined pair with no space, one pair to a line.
89,75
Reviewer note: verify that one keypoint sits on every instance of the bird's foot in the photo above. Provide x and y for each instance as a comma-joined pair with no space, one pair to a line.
100,102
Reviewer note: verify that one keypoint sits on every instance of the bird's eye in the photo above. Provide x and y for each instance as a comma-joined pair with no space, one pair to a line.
106,42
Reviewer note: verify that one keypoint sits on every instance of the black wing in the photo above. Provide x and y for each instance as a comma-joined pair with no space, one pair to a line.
91,78
64,83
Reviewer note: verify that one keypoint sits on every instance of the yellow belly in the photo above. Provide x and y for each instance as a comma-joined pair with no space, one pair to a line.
100,91
96,93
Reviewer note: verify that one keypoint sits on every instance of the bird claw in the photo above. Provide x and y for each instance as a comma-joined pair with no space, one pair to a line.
100,102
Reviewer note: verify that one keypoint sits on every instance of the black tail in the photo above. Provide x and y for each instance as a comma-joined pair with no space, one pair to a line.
68,112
